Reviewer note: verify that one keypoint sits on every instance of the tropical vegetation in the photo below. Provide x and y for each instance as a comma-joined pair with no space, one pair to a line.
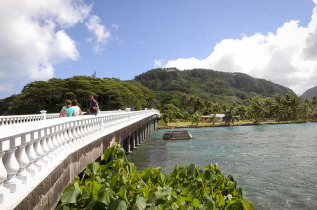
277,108
207,84
50,95
119,185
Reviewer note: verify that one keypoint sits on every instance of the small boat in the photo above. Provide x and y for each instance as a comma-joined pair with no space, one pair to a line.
177,135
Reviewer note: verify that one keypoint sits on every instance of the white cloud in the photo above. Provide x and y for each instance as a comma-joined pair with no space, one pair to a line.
287,57
158,63
114,26
33,39
100,33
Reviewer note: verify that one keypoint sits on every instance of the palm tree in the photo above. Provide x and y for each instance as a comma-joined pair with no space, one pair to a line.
313,114
305,108
314,100
257,109
195,119
230,116
241,111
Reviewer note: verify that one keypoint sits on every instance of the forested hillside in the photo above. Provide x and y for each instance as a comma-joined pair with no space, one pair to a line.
209,84
310,93
50,95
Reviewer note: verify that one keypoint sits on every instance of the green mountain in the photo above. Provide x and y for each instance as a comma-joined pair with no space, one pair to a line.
309,93
209,84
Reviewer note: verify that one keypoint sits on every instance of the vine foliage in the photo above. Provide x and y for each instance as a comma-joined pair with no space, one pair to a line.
119,185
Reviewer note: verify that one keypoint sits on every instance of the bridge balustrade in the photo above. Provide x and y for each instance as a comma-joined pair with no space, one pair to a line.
18,119
30,151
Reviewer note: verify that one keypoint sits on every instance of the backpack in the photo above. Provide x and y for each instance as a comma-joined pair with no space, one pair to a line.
63,113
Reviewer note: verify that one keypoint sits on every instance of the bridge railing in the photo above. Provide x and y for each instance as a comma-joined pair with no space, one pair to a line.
29,152
18,119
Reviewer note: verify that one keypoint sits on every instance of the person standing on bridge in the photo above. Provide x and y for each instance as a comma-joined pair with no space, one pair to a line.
94,107
76,107
67,110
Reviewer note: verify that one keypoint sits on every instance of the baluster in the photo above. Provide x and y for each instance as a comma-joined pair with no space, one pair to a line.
66,137
79,132
85,131
59,139
71,137
39,151
23,159
46,150
74,135
92,126
55,142
62,138
96,127
4,192
49,141
12,166
88,127
31,153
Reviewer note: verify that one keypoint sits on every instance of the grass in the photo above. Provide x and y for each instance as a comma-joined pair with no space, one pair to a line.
241,122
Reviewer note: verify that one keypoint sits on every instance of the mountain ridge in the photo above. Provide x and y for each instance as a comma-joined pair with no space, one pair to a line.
209,84
309,93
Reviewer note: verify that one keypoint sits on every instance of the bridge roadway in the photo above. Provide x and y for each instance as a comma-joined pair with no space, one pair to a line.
41,154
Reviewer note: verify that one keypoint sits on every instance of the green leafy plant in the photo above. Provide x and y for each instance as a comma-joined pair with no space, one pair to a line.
119,185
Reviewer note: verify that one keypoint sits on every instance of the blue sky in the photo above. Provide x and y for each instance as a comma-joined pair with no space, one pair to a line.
135,34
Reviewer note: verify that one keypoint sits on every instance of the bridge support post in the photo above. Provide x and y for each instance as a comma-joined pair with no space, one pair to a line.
137,137
132,141
126,145
142,134
146,130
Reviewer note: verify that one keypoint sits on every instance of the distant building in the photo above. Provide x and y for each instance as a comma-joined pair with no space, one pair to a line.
207,118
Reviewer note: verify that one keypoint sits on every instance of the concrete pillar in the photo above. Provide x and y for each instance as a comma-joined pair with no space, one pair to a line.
132,141
121,142
137,137
127,145
142,134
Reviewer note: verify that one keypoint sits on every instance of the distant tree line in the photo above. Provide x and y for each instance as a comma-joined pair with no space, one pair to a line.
179,106
50,95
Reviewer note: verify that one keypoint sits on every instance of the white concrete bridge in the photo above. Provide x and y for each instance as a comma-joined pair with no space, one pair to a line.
41,154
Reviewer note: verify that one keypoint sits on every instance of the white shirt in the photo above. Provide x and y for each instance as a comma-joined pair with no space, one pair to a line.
76,109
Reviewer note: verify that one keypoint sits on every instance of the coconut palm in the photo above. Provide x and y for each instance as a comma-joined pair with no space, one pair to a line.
230,116
257,109
305,108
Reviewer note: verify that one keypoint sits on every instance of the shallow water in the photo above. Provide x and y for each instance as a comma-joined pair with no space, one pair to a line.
276,165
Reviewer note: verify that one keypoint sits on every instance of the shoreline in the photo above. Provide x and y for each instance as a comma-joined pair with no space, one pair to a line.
223,125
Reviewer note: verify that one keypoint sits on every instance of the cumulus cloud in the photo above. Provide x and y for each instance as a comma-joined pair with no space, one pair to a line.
158,63
33,38
287,56
100,33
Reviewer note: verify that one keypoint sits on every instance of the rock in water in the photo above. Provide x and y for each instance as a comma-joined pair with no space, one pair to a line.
177,135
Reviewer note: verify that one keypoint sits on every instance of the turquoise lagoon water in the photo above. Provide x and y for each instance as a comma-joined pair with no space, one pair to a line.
276,165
